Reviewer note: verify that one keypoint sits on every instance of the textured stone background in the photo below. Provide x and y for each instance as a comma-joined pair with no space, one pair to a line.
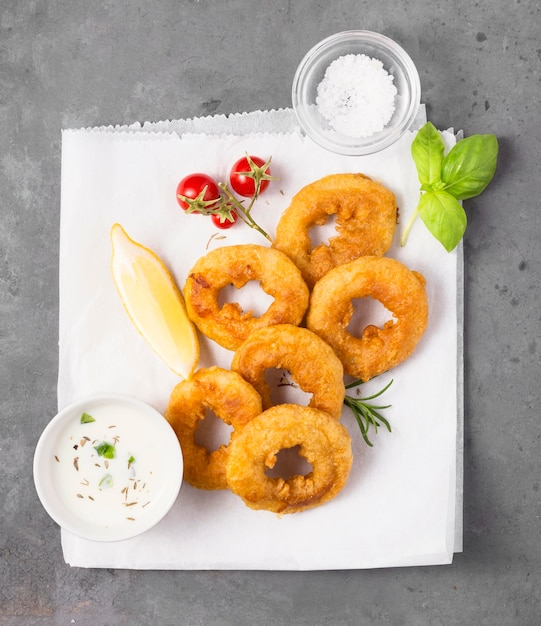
71,63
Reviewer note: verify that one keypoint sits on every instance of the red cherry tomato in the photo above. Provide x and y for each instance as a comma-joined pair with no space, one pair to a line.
216,220
245,185
193,185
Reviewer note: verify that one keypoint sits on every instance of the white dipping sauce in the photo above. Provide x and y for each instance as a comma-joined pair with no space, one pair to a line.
111,475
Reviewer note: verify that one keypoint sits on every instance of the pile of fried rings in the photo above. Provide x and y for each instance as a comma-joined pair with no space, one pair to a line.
305,332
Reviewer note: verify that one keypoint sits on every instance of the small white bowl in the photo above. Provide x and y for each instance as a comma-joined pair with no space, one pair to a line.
108,468
311,72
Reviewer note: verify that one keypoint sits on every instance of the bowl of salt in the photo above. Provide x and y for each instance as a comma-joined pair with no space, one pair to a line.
356,92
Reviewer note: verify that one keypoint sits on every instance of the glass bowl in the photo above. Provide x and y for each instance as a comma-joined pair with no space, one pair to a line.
108,468
311,71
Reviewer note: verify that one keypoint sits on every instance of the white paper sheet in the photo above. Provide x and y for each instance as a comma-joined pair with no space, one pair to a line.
400,505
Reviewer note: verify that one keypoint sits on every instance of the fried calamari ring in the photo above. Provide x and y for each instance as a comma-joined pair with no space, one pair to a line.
323,441
236,265
313,365
365,212
400,290
231,399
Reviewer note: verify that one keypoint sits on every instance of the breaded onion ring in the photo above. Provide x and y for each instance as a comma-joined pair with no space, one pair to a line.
313,365
236,265
377,350
231,399
323,441
366,216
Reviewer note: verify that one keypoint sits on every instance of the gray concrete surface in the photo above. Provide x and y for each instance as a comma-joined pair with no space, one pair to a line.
67,63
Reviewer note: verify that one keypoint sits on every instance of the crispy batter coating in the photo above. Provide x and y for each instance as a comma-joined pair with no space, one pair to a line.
236,265
312,363
231,399
366,216
323,441
376,350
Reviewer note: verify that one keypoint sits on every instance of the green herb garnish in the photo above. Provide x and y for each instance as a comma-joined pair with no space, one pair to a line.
106,450
131,460
366,414
463,173
86,418
106,482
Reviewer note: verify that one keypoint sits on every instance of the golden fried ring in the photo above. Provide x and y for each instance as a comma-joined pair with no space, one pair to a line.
312,363
366,216
236,265
231,399
377,350
323,441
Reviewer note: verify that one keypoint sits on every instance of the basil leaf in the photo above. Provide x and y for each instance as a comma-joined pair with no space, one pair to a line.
444,217
470,165
427,151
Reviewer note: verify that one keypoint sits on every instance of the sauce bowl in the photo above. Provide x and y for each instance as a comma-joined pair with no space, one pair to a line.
108,468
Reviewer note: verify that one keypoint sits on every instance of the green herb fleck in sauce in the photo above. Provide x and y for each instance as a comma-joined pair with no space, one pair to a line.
106,450
106,482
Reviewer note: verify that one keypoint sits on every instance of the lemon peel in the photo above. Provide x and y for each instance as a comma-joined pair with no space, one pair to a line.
154,303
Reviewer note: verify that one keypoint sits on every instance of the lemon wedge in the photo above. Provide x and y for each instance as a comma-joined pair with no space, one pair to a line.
154,303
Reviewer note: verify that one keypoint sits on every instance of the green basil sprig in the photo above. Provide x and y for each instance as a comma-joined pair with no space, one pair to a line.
462,173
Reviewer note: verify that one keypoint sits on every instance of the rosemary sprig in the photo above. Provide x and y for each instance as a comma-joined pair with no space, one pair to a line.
367,414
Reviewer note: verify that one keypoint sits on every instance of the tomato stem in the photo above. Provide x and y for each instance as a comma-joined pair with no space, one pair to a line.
243,212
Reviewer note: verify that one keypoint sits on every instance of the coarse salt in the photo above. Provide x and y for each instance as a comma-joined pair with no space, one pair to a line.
356,95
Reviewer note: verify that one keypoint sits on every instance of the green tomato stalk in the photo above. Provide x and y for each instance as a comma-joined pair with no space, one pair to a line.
230,204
